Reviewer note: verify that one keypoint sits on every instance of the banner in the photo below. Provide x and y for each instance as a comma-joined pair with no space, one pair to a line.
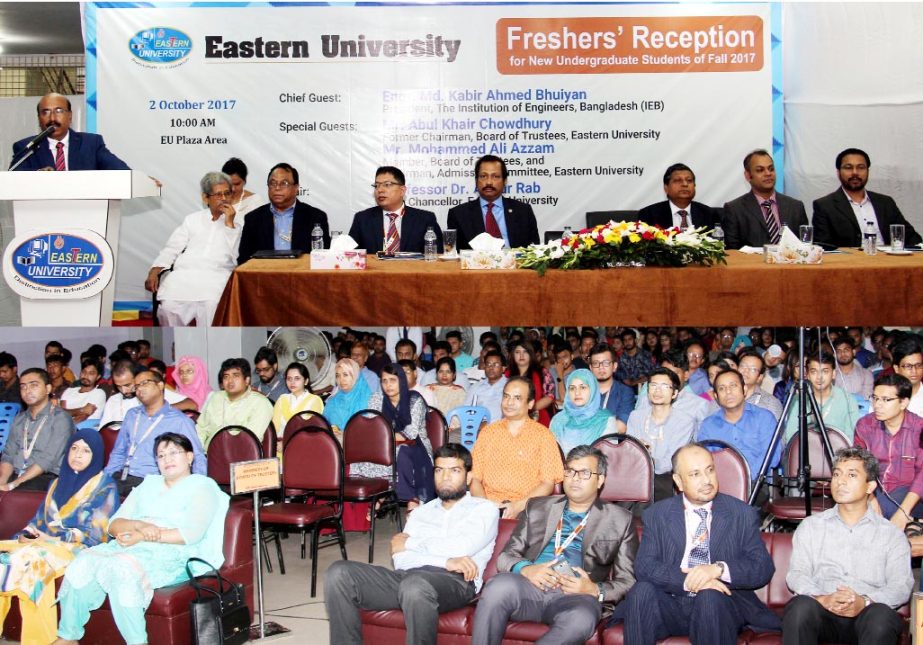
588,104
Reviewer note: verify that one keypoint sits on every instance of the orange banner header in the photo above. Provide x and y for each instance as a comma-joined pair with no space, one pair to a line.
629,45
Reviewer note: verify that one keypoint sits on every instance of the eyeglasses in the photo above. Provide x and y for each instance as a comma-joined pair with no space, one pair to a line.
169,454
583,474
600,363
285,183
883,399
849,167
748,368
58,111
388,185
30,385
695,356
223,195
659,386
145,383
493,364
911,367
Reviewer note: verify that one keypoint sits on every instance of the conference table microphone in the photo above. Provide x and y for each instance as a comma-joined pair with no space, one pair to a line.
30,147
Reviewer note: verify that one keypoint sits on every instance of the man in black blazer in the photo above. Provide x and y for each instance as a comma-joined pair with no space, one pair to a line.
370,227
679,187
837,222
508,218
283,223
745,219
80,150
700,559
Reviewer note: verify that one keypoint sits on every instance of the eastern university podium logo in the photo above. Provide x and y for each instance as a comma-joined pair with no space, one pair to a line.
160,47
58,265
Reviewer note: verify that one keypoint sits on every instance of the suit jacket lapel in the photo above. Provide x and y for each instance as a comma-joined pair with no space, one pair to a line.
73,150
478,218
301,234
757,211
842,205
719,525
592,525
677,524
555,512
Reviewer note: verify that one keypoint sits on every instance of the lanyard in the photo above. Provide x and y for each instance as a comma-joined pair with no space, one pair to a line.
133,442
560,548
27,445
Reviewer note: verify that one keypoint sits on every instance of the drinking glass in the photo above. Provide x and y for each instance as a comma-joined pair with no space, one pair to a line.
806,233
897,237
448,241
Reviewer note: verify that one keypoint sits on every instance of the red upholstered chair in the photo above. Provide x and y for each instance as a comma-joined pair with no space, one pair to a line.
192,414
109,433
732,469
270,441
314,461
630,475
436,428
230,445
305,419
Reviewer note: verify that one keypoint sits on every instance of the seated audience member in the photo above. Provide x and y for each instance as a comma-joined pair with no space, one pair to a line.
9,379
144,351
131,348
394,336
352,394
588,339
488,392
132,458
242,199
582,420
73,515
697,579
271,382
524,363
192,381
865,357
170,518
686,400
462,360
392,226
662,427
837,408
790,373
379,357
410,369
907,358
37,438
751,366
697,358
86,401
725,343
284,223
439,560
125,397
442,349
446,393
615,396
201,252
679,209
757,217
55,367
299,398
739,423
493,212
562,368
842,217
406,412
235,405
850,569
475,373
593,547
892,433
515,458
850,374
55,347
635,363
360,354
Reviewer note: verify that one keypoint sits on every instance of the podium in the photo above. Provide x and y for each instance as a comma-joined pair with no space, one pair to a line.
63,258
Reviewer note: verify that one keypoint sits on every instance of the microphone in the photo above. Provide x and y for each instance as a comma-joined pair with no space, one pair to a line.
29,148
41,136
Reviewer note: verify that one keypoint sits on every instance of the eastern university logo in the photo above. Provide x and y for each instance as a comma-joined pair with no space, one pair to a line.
160,47
59,264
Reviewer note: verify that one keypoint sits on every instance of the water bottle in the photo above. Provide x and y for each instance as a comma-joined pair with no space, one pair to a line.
870,239
317,238
718,232
567,233
429,245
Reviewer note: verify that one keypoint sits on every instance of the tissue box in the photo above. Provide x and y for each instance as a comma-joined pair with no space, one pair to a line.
328,259
778,254
502,259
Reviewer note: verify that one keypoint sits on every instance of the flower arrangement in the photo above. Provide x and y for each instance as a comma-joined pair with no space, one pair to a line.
616,244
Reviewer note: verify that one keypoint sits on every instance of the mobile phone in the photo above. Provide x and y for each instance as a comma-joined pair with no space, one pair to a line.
563,568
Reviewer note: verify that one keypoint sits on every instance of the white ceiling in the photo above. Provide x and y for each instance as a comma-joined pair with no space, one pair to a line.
40,28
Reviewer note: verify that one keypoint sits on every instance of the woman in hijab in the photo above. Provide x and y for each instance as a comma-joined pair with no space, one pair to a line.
192,379
352,394
582,421
74,515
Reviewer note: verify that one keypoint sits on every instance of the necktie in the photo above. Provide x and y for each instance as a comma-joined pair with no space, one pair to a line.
393,243
771,224
406,334
699,554
684,222
59,157
491,225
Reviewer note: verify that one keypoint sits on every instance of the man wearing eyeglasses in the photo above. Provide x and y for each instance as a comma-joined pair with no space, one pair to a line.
488,392
907,358
391,225
615,396
568,556
201,251
124,399
285,223
64,149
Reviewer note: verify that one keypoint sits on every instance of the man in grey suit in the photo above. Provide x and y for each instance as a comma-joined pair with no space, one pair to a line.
556,566
757,217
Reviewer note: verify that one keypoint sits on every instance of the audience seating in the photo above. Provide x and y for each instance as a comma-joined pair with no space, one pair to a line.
732,469
8,412
109,433
168,620
436,428
630,474
595,218
472,418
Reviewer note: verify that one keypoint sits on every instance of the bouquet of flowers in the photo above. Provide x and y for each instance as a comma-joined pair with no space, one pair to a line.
617,244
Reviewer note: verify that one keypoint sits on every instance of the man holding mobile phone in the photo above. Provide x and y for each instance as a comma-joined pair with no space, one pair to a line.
556,566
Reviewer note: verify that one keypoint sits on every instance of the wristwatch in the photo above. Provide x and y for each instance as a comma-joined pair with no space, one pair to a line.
601,597
720,566
868,601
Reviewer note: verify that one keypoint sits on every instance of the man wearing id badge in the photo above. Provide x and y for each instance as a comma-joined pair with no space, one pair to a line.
38,436
132,457
556,566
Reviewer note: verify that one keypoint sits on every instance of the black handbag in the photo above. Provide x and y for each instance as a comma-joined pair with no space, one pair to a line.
220,616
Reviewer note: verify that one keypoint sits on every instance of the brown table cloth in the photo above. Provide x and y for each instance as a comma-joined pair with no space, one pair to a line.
847,289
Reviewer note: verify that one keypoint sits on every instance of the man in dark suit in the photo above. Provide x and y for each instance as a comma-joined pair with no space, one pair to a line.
679,210
493,213
64,149
392,225
841,218
700,559
589,540
757,217
284,223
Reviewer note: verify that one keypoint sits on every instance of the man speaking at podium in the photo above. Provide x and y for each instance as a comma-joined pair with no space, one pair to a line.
60,148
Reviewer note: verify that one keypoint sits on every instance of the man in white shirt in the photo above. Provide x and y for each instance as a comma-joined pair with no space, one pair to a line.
85,402
489,392
850,375
439,560
908,362
202,252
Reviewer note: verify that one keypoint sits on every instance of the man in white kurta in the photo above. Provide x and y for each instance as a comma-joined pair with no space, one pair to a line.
203,252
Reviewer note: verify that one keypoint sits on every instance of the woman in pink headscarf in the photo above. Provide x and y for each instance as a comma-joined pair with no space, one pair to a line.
192,379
